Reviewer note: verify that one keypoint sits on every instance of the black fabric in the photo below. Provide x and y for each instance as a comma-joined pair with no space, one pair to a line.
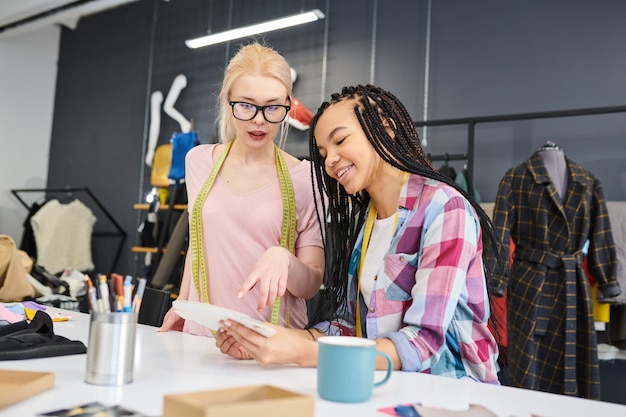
44,277
28,243
36,339
148,233
448,171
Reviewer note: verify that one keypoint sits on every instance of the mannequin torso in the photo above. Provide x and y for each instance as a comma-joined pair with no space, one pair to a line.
554,161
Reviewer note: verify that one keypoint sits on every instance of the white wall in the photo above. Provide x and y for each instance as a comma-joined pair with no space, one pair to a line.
28,71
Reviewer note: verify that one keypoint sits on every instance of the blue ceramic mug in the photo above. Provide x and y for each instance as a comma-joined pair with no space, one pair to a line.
345,368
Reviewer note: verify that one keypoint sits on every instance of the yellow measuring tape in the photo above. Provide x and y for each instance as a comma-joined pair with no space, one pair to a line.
288,230
367,234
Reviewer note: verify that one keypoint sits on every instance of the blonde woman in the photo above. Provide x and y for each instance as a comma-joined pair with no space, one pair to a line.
255,241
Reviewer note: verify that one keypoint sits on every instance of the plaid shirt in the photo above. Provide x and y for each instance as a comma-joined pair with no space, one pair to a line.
431,285
551,334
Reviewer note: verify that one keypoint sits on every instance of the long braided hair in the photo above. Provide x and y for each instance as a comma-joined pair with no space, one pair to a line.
345,213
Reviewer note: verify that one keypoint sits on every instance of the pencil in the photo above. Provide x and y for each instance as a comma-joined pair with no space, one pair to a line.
119,291
93,300
99,303
141,286
92,296
104,293
127,292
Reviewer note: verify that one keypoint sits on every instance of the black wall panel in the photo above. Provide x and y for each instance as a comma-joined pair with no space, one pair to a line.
99,112
497,58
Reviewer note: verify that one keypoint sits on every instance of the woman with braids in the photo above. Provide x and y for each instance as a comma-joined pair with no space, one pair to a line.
255,241
403,250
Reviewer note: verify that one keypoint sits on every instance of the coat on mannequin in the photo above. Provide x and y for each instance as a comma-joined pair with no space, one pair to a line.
550,207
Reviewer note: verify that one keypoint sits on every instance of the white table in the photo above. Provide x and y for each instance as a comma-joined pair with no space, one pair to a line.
175,362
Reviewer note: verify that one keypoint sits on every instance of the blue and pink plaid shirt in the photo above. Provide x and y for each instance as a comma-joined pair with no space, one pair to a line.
431,287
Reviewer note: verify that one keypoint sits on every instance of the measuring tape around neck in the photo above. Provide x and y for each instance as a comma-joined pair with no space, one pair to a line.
367,233
288,230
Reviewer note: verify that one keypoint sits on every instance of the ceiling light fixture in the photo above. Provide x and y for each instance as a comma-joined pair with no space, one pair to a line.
242,32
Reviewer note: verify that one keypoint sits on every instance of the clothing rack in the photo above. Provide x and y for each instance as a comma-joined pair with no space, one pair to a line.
471,123
69,190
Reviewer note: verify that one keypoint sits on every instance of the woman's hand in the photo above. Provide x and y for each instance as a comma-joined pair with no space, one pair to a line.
286,346
270,274
272,271
172,322
229,346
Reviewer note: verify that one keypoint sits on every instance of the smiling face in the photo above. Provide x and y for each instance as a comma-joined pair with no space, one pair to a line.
348,155
261,91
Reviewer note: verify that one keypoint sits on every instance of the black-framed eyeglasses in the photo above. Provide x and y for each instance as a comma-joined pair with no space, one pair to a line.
273,113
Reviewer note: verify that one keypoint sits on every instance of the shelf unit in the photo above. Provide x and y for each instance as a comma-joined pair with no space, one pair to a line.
162,208
144,249
171,242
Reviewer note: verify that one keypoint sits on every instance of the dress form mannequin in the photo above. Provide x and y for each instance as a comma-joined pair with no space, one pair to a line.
553,159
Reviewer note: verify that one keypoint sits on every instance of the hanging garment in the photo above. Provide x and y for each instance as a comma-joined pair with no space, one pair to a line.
616,334
461,181
448,171
552,343
181,144
617,214
161,166
27,243
63,235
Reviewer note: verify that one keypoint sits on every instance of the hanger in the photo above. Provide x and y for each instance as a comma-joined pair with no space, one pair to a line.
549,146
62,195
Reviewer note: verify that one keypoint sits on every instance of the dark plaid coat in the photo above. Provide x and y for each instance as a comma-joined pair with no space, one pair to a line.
551,337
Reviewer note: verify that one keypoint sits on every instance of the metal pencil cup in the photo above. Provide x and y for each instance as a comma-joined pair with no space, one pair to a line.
111,348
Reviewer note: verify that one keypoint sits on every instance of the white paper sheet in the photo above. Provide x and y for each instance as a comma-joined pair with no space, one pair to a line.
210,315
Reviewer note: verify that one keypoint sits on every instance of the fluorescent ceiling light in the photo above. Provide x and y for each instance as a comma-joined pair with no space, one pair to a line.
242,32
